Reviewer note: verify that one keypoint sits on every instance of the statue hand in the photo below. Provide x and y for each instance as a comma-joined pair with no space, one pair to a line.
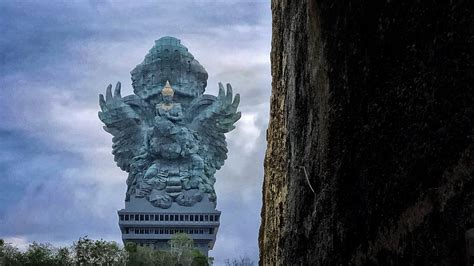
111,102
112,107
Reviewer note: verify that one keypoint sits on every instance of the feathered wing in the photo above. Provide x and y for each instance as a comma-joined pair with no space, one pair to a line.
127,120
216,116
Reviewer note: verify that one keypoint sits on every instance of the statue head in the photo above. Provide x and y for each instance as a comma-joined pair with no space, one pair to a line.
169,60
167,93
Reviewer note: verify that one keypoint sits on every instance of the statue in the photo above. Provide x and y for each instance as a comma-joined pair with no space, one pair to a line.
169,135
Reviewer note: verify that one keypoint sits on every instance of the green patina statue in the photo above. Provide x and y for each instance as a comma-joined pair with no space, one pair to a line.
169,135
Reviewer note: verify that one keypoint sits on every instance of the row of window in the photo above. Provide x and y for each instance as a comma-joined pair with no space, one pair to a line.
156,246
170,217
168,231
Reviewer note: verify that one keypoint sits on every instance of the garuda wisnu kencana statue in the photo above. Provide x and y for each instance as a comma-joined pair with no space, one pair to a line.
169,136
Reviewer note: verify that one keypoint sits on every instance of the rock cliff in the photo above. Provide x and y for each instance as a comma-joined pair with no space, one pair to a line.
370,156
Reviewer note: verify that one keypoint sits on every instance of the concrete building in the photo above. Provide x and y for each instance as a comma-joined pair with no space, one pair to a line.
146,225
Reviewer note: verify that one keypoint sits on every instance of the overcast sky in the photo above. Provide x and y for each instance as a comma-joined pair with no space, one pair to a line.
58,178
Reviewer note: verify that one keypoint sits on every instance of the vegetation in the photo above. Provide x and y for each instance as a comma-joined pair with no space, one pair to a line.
242,261
100,252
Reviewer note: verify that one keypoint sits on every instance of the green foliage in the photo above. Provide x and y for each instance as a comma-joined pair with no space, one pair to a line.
143,256
199,259
181,248
36,255
130,247
63,257
40,254
10,255
99,252
181,252
242,261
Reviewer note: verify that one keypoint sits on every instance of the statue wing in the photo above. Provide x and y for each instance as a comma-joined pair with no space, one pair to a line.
127,119
215,116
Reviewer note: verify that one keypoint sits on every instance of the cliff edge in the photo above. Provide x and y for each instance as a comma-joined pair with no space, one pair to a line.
370,156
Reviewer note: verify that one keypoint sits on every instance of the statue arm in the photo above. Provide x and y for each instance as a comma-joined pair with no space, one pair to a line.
124,123
216,117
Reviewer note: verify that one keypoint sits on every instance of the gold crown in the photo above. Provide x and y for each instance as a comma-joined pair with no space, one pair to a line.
167,90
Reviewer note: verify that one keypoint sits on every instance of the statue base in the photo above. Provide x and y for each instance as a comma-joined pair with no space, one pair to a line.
146,225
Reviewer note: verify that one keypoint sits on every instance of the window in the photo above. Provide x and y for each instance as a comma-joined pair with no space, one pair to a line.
152,217
191,218
211,231
217,218
201,218
126,217
171,217
166,218
161,217
206,218
147,217
196,218
181,217
136,217
176,217
131,217
211,217
141,217
121,217
157,217
127,230
186,217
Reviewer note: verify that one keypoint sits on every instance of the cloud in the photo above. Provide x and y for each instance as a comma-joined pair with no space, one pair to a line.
59,180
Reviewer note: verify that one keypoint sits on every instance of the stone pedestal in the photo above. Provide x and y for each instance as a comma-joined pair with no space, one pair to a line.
146,225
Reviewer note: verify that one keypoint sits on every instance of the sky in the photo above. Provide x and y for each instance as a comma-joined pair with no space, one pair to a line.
58,178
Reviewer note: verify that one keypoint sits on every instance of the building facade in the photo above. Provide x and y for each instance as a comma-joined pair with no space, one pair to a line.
143,224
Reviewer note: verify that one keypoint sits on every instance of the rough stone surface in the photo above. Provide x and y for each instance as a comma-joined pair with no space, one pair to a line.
370,157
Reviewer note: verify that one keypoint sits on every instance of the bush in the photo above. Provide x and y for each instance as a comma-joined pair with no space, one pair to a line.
100,252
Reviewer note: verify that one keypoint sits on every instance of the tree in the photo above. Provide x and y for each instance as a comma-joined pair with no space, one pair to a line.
242,261
199,259
63,256
89,251
181,248
99,252
143,256
39,254
181,252
11,256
